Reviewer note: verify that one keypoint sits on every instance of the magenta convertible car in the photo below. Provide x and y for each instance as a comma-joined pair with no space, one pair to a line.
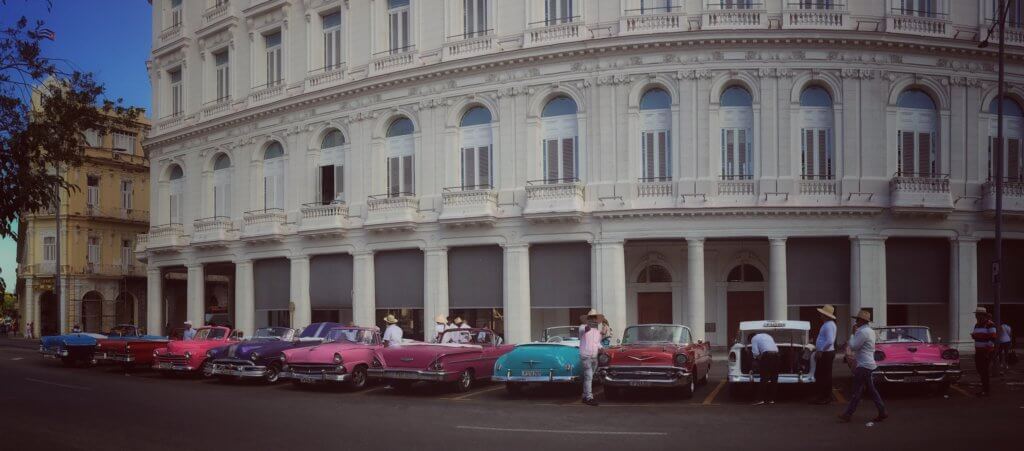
344,357
463,357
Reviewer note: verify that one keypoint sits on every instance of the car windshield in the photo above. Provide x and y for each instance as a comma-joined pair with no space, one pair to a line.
467,336
560,334
903,335
123,331
207,333
352,335
655,334
781,336
272,333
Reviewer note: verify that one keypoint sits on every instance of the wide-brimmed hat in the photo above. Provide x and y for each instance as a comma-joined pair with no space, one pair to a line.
980,311
390,319
188,323
593,313
828,310
457,320
864,314
440,319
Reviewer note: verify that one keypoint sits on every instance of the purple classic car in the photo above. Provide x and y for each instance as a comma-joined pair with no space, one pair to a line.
464,356
259,357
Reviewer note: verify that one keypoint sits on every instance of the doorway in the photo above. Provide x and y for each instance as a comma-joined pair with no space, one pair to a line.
49,314
743,306
654,308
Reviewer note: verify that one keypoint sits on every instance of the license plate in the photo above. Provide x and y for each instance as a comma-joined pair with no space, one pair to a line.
165,366
639,384
403,375
307,379
534,373
913,379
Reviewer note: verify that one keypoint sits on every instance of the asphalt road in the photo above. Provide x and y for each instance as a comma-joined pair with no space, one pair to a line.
47,406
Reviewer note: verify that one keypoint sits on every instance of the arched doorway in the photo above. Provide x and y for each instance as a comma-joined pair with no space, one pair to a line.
91,318
745,298
124,309
654,306
49,314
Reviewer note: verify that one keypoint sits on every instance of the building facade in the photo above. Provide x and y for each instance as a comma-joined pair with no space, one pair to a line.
519,162
102,283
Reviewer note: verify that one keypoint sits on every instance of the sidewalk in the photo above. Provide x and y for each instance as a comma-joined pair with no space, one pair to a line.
19,342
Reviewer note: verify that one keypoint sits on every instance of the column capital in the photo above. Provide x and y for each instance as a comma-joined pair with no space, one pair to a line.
964,239
515,246
154,270
299,258
868,238
777,240
244,261
363,253
609,242
436,249
695,242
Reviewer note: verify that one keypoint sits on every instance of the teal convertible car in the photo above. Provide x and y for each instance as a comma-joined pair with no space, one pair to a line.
556,359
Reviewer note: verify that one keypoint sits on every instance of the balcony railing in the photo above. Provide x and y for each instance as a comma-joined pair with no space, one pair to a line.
922,183
214,12
469,44
653,21
263,224
919,23
171,32
1013,196
127,214
827,16
554,200
656,187
325,76
323,218
218,229
214,107
171,121
111,270
267,91
141,242
726,17
817,186
1014,33
469,205
165,238
551,31
925,192
394,59
392,212
736,185
392,201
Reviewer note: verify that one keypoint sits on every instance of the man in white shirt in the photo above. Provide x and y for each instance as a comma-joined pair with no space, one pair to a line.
393,333
766,353
440,325
825,353
189,333
862,344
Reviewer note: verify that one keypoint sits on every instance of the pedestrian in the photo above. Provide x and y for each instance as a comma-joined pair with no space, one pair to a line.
393,333
440,325
76,329
30,330
985,338
825,356
189,332
591,332
1006,340
766,354
862,343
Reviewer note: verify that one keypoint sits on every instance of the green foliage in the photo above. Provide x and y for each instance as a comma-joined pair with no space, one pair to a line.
9,305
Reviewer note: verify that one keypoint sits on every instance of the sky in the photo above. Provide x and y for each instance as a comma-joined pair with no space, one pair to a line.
110,38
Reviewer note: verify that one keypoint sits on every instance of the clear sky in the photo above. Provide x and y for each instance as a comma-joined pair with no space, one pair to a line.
110,38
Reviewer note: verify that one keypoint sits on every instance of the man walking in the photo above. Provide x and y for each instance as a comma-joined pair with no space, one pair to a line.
825,354
766,353
592,331
1005,344
862,343
985,338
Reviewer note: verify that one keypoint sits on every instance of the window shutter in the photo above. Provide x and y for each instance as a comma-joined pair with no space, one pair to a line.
467,16
1013,159
551,160
924,154
407,175
268,192
568,159
393,176
226,197
821,151
991,155
339,182
741,141
907,153
326,184
662,155
484,167
647,153
809,152
175,209
468,167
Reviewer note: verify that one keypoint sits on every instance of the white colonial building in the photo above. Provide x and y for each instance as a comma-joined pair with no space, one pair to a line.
518,162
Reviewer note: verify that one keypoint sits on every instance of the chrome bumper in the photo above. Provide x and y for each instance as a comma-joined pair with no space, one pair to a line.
681,380
171,366
317,377
413,375
783,378
917,376
53,354
550,378
238,369
123,358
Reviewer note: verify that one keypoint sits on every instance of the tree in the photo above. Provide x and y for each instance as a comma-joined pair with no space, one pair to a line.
45,110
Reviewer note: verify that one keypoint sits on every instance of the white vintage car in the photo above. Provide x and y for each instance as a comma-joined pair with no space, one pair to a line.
796,365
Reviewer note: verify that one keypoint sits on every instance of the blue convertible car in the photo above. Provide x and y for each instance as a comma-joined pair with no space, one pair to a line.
79,348
556,359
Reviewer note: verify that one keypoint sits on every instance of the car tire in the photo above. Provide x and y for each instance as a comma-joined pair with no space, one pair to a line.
273,374
514,388
359,378
465,382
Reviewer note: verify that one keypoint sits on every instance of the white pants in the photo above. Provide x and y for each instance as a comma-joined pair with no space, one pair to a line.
589,366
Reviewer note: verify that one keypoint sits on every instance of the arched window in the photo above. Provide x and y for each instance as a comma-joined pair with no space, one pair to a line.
654,274
477,145
745,273
1013,131
176,195
92,312
273,177
332,167
401,152
816,134
655,135
737,121
560,140
917,150
222,186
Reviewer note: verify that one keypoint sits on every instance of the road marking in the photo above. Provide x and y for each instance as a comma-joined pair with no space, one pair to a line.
960,390
467,395
374,389
839,395
17,358
73,387
561,431
714,393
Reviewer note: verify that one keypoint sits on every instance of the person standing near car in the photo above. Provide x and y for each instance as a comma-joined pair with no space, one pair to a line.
189,332
766,353
1005,344
592,331
825,354
862,343
985,337
440,325
393,333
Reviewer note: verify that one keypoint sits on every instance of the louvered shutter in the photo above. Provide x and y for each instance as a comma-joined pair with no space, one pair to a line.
907,153
741,141
484,167
730,155
407,175
647,149
1013,159
551,160
991,156
568,159
468,167
924,154
393,176
809,152
662,155
339,182
822,151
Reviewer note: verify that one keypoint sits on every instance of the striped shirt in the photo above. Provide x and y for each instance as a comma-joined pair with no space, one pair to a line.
985,335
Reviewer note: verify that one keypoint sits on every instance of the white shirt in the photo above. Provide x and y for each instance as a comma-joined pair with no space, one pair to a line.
464,325
189,334
1005,333
438,330
862,343
762,343
393,335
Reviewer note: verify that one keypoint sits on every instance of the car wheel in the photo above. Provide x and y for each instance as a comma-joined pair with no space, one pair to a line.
273,373
358,378
514,388
465,381
206,368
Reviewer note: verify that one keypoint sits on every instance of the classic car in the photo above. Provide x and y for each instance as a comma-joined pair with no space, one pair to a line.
260,356
344,357
126,345
796,365
554,359
464,356
655,355
190,355
72,349
907,355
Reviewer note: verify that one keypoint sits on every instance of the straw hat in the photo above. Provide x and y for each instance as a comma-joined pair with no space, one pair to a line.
980,311
863,314
828,310
390,319
188,323
440,319
457,320
593,313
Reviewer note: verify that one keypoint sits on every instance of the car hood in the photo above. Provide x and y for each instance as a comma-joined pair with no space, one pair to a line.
643,354
179,347
323,353
539,356
416,355
899,353
265,348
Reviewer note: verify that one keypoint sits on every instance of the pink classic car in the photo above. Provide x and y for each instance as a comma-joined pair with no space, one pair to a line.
907,355
190,355
464,356
344,356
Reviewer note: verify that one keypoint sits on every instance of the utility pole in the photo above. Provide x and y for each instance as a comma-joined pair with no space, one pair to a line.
57,276
997,264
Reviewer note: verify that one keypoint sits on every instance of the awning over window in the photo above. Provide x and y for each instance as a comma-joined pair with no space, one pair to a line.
1012,268
917,270
475,277
330,281
272,283
398,279
560,275
818,271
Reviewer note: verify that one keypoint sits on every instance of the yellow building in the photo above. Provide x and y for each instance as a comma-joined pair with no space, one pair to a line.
102,284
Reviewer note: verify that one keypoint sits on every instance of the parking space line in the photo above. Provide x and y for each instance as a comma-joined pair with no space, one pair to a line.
73,387
960,390
711,396
474,393
839,395
562,431
374,389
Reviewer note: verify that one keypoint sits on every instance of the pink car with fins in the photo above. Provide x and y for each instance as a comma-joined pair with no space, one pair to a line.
908,355
463,357
344,357
189,356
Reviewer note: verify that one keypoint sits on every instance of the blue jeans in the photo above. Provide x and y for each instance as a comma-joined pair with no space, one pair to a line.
589,366
862,380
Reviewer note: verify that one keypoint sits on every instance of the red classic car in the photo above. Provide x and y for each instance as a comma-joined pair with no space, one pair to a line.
655,355
190,355
907,355
126,346
464,356
345,356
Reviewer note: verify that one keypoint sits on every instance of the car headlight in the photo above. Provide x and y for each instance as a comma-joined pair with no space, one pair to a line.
437,365
284,358
209,353
603,359
188,355
254,355
155,353
879,356
680,360
337,359
950,354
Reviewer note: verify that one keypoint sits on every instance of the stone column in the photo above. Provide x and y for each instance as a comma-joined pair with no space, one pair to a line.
364,298
196,298
867,277
963,293
154,301
608,282
435,287
777,287
302,313
29,307
695,293
516,287
245,298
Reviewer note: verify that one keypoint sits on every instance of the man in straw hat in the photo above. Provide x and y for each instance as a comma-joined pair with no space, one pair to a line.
985,337
189,332
393,333
862,343
825,353
592,331
440,325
